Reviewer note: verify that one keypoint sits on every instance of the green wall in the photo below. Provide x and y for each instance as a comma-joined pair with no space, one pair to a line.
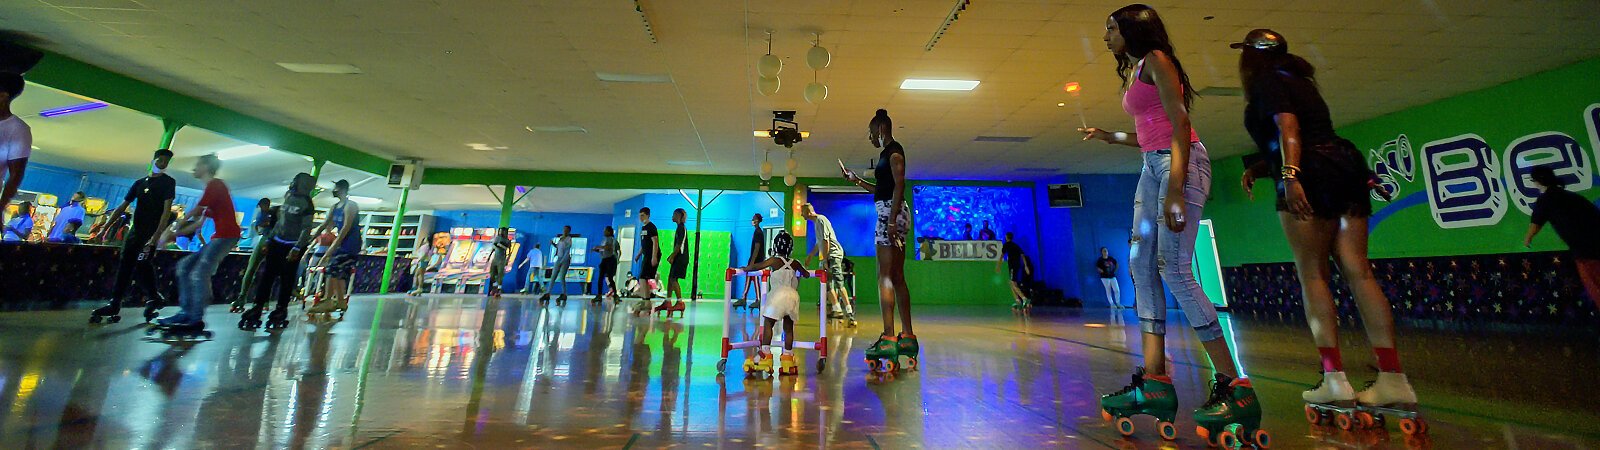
1540,111
714,247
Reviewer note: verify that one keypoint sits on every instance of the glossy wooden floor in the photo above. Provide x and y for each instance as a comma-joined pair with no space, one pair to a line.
465,372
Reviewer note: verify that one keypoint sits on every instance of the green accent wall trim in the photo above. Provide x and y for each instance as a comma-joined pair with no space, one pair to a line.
68,74
1553,103
972,283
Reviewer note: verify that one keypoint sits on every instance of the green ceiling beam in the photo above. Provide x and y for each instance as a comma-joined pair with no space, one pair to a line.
596,180
65,73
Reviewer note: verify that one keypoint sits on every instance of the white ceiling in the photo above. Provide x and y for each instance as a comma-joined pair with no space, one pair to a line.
439,74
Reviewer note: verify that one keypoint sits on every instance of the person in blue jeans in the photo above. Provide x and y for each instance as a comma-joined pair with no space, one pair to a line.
563,256
195,271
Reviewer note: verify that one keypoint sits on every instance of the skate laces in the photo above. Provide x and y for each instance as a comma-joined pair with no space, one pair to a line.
1136,383
1221,391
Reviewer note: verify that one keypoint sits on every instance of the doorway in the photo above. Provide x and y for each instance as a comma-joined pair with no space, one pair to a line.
1207,265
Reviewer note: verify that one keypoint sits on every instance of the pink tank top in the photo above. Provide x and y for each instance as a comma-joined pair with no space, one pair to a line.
1143,102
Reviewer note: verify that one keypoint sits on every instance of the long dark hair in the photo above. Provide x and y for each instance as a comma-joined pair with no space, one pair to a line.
1143,32
1254,63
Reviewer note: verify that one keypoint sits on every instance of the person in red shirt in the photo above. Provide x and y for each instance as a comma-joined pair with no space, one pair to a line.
195,271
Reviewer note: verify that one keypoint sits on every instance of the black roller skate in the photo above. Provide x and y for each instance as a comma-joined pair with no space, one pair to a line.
152,306
180,332
250,320
110,313
562,300
277,319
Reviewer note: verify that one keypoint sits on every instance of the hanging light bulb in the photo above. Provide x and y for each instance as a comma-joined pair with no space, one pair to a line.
818,57
768,85
791,164
816,92
766,168
789,180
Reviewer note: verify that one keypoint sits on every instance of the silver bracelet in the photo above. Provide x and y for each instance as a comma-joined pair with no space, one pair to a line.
1120,136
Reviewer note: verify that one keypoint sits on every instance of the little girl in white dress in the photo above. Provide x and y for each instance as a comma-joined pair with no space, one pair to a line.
782,303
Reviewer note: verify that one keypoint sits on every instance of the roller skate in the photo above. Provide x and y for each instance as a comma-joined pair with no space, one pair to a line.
755,305
152,307
738,303
544,300
324,309
787,367
278,319
641,308
251,320
110,313
1331,402
673,307
835,314
883,355
562,300
909,348
1390,395
850,320
1149,395
181,332
758,366
237,306
1231,416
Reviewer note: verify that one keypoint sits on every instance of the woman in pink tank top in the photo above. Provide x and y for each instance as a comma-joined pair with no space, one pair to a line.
1174,182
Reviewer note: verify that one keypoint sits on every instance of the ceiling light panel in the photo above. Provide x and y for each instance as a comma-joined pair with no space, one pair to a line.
916,84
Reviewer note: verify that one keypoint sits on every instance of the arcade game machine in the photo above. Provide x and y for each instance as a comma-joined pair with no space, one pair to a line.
462,246
477,271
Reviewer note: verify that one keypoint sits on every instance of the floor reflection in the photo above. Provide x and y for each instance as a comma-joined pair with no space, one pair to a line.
469,372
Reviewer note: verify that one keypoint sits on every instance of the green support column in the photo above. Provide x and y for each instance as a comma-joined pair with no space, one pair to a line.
506,202
169,130
394,239
699,210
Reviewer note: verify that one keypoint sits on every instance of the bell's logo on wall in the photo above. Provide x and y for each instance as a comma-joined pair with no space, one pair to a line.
938,250
1393,162
1469,184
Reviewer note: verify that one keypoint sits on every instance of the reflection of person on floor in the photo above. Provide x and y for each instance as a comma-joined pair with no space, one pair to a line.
21,224
1106,266
1019,267
758,252
783,300
16,140
340,261
1575,220
497,262
535,265
1324,205
195,271
832,262
563,262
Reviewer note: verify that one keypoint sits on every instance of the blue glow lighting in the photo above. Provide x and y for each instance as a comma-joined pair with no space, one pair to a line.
74,109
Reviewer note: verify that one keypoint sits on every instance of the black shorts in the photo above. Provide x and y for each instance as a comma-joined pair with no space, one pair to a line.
608,267
1334,177
680,268
649,271
342,267
1017,275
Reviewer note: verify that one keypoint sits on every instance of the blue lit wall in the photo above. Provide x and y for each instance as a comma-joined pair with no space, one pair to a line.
853,218
943,212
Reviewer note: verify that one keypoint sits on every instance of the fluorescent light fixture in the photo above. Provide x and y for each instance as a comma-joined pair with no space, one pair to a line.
634,77
938,85
485,147
74,109
243,151
340,69
365,200
557,129
1011,139
768,133
688,163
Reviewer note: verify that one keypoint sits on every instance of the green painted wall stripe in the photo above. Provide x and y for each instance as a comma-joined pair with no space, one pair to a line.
65,73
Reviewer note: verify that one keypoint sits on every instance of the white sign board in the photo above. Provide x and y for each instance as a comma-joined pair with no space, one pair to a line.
937,250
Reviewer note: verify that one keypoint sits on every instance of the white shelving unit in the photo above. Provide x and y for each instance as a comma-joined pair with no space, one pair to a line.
377,225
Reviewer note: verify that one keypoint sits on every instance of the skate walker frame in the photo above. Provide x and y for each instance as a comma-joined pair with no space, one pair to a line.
728,345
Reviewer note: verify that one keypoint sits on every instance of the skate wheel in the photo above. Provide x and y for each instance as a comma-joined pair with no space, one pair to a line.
891,367
94,319
115,319
722,366
1313,416
1411,426
1365,419
913,361
1227,440
1344,422
1262,438
1125,426
1168,430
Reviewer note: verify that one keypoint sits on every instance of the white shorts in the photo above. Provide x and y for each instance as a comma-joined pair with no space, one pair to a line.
902,222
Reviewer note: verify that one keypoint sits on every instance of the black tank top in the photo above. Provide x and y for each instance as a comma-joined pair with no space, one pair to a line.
883,175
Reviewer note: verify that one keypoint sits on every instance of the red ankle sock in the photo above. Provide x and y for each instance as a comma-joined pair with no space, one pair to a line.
1388,359
1331,362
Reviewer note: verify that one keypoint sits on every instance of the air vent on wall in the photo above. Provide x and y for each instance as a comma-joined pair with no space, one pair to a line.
1221,91
1001,139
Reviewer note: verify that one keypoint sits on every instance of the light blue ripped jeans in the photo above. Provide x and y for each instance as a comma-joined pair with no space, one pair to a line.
1160,255
194,277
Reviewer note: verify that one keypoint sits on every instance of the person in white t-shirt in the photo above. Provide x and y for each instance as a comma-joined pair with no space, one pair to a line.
16,140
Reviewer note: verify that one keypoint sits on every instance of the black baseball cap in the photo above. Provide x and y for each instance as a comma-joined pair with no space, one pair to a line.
1264,40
